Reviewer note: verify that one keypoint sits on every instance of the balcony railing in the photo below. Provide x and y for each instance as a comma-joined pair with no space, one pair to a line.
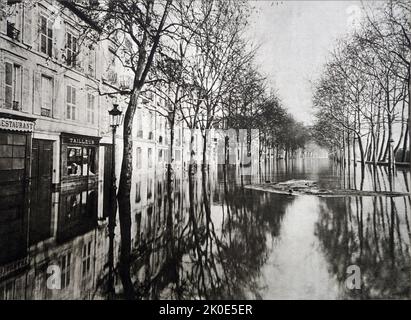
45,112
12,31
16,105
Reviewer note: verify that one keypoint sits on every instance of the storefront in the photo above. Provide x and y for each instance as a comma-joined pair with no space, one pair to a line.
79,185
15,150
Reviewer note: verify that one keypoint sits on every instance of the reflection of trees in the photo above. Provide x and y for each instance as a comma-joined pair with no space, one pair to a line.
371,233
196,253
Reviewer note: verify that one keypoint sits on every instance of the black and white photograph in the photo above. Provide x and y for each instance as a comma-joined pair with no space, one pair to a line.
205,150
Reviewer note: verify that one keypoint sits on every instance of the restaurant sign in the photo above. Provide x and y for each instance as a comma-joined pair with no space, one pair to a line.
79,140
16,125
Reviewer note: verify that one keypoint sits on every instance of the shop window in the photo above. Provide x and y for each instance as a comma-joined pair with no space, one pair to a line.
46,36
13,85
12,151
81,161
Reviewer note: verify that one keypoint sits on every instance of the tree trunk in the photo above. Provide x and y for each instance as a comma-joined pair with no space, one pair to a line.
205,152
192,152
404,147
124,197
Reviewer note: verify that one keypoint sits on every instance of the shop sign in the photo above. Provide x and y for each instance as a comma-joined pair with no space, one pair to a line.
16,125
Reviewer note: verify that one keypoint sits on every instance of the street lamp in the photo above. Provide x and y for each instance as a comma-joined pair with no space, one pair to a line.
115,116
115,121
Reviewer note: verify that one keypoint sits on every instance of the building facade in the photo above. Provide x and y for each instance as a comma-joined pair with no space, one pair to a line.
55,138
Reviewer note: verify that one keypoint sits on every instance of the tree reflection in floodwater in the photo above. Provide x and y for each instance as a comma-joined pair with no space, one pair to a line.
214,248
220,241
204,236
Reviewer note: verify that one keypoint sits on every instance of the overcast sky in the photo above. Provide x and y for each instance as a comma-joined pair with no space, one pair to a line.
295,38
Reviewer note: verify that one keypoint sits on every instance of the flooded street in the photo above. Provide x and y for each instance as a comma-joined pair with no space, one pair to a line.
230,242
218,240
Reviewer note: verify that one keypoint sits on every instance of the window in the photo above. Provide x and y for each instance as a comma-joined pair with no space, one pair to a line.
71,49
178,155
65,264
91,62
46,36
139,160
112,75
90,108
12,151
86,259
138,192
151,128
150,157
81,161
149,188
13,85
46,96
14,22
71,103
139,124
160,155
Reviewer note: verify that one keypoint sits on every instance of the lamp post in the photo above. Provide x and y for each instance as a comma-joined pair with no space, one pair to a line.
115,121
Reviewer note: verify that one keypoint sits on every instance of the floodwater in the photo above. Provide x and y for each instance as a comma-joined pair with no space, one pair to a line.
218,240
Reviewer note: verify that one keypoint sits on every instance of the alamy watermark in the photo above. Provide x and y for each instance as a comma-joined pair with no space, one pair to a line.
353,280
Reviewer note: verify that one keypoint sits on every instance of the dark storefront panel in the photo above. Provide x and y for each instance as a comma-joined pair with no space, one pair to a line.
40,190
14,166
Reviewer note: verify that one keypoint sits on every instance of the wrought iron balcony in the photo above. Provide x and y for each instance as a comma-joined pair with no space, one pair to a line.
45,112
12,31
16,105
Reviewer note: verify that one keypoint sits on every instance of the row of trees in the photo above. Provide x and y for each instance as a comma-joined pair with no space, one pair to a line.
362,99
194,56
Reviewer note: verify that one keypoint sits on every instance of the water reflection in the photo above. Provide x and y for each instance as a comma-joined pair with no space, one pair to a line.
204,236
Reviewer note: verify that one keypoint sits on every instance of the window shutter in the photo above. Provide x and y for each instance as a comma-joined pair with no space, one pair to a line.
8,85
37,93
28,25
26,100
3,23
2,82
